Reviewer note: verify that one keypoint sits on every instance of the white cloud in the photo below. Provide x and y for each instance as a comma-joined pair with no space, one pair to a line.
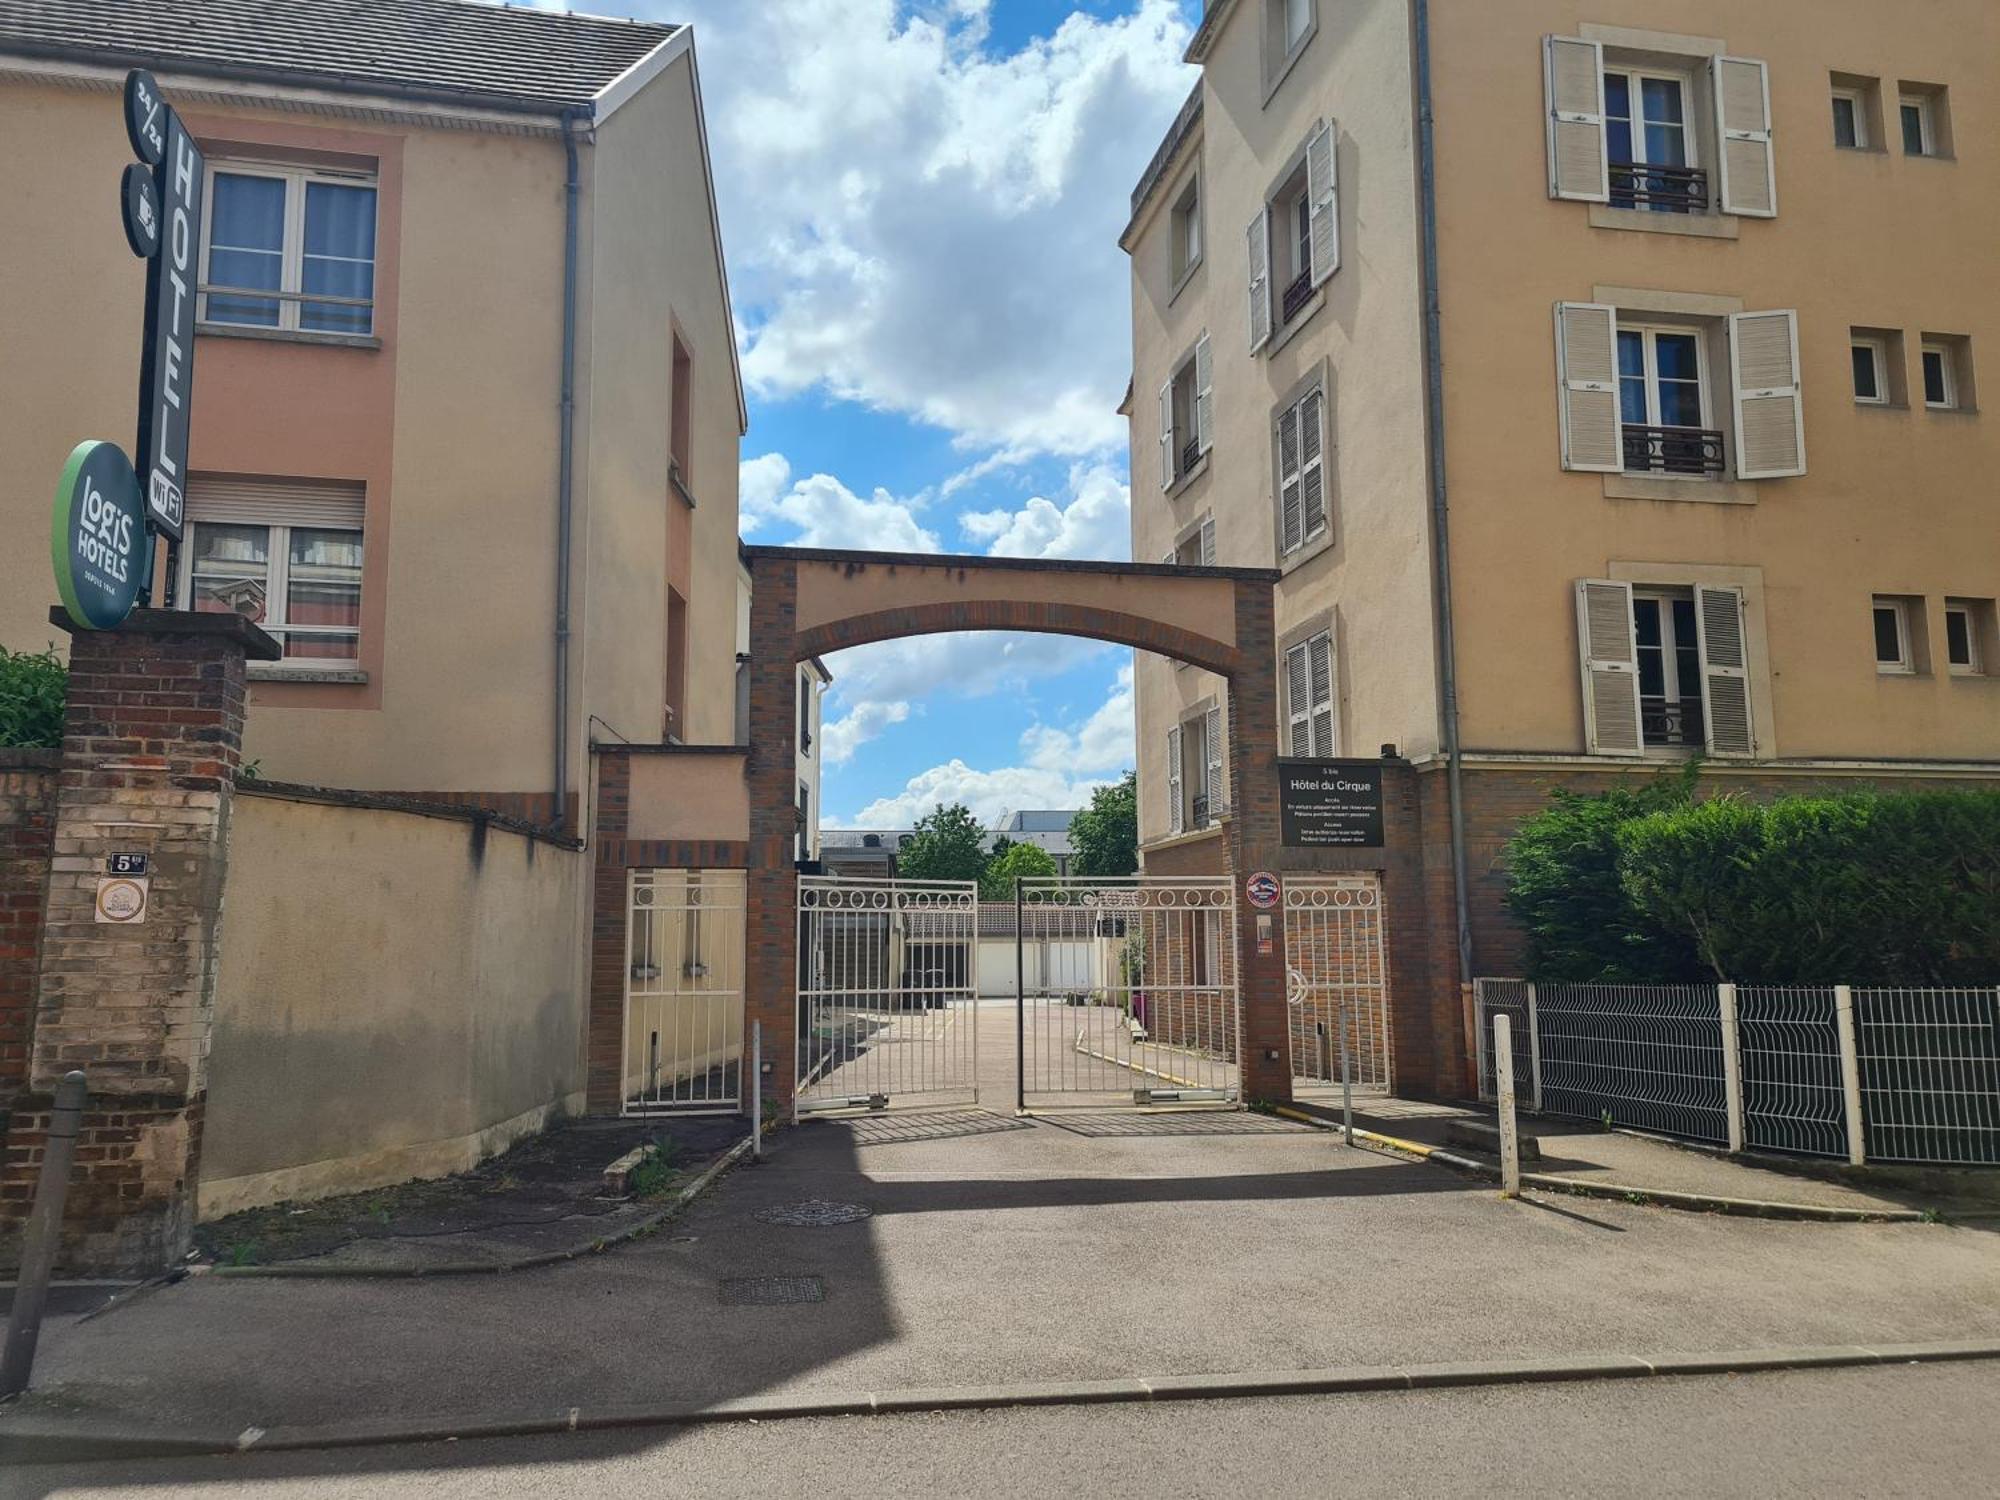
970,664
825,511
1104,743
841,737
925,224
1096,523
990,794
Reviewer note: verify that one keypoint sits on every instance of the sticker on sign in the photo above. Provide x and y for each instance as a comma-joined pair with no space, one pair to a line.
1262,889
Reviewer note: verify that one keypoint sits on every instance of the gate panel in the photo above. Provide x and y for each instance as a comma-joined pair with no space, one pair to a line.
1128,991
887,998
683,1043
1337,979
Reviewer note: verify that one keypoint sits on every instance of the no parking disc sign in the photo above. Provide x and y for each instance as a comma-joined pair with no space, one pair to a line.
1262,889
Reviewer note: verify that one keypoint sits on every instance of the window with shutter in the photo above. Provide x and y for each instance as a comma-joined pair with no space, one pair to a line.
1609,654
1175,815
1309,706
1258,245
1742,90
1218,791
1312,466
1587,387
1167,469
1764,374
1725,675
1298,702
1323,196
1207,535
1573,89
1291,504
1319,651
1204,396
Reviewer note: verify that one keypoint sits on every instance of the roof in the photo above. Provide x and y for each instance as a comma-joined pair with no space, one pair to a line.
1038,820
498,55
1163,157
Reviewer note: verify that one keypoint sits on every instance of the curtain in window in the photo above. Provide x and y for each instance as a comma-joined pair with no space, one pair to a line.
339,256
247,247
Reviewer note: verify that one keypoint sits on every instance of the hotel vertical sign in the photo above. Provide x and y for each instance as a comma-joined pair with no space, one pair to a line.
166,371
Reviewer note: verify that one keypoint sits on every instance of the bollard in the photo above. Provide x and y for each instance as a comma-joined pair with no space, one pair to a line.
44,1232
756,1090
1503,1075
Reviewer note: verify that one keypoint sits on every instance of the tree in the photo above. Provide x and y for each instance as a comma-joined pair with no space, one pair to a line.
32,690
948,844
1026,860
1105,835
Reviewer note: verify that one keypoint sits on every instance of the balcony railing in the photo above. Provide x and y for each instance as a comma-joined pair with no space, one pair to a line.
1672,721
1672,450
1199,813
1296,296
1190,455
1672,190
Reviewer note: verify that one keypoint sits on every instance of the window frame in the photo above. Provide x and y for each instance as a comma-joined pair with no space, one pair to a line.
1633,76
1296,713
1674,692
277,587
1905,663
1295,407
1186,241
1858,115
1704,385
1947,372
1878,356
1926,123
1974,664
1281,54
290,293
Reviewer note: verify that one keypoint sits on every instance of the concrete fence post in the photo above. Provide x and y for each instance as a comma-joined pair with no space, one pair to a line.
1503,1078
1732,1065
1850,1071
44,1234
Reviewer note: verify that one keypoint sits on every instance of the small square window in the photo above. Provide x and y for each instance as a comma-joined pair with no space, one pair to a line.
1947,372
1850,128
1892,636
1969,638
1923,119
1870,384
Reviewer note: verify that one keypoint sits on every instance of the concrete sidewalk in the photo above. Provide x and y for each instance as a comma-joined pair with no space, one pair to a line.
993,1250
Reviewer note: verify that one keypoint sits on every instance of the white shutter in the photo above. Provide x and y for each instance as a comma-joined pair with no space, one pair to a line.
1208,541
1764,376
1725,670
1573,88
1290,501
1593,436
1204,395
1174,822
1323,193
1319,653
275,502
1312,464
1218,791
1298,703
1258,237
1167,436
1747,178
1609,650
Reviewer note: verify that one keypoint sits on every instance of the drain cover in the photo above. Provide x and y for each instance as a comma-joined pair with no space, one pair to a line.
814,1212
772,1291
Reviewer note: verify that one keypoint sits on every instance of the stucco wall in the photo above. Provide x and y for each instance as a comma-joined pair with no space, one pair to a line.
354,1046
1371,580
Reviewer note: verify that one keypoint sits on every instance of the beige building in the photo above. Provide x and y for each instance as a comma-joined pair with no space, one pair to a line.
1700,402
482,485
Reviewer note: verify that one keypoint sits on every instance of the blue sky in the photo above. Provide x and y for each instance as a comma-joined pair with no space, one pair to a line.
920,203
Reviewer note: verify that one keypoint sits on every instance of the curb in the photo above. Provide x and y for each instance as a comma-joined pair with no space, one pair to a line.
29,1442
594,1246
1759,1208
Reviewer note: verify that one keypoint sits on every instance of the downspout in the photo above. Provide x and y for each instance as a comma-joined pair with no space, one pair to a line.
1434,456
566,460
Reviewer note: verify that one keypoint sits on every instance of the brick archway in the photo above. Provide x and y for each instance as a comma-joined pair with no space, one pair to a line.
806,601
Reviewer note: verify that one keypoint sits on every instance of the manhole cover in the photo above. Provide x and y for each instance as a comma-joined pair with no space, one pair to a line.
814,1212
772,1291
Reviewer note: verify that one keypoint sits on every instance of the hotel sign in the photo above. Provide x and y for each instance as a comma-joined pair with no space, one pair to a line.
166,370
1330,804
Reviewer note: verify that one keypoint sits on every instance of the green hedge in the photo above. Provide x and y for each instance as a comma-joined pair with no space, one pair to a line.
33,686
1866,887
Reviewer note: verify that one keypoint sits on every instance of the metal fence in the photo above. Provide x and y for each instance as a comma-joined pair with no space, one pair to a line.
1899,1074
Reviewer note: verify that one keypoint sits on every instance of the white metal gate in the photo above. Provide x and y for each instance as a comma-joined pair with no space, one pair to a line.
887,998
1134,994
683,1033
1337,981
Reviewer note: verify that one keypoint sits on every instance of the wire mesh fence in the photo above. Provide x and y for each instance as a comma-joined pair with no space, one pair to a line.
1789,1041
1930,1074
1648,1056
1509,998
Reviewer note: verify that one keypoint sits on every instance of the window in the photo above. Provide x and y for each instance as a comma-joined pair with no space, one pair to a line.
805,713
1919,128
1893,652
1298,19
1309,711
1870,383
1195,787
1663,402
306,238
1850,125
1197,548
1947,367
1665,668
1968,636
1288,26
680,429
1650,143
674,687
1184,247
1186,415
1294,241
286,556
804,841
1301,452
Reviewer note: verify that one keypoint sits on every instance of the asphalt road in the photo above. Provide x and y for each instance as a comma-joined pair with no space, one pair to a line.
1925,1430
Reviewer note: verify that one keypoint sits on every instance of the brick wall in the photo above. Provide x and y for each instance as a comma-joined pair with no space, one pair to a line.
28,781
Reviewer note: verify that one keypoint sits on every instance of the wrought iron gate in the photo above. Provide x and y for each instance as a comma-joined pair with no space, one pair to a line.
1337,981
887,997
683,1036
1126,991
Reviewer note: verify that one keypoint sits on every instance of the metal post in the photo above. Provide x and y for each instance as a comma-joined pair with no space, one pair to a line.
44,1232
757,1090
1850,1071
1346,1083
1020,1009
1534,1052
1732,1065
1503,1077
1322,1071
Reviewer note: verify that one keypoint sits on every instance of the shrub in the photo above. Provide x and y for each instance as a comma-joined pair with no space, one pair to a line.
33,687
996,881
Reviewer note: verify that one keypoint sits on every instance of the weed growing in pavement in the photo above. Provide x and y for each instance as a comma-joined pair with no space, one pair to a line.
655,1170
243,1253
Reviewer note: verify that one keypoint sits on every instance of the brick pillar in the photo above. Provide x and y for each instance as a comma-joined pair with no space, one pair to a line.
152,740
771,933
1255,843
610,937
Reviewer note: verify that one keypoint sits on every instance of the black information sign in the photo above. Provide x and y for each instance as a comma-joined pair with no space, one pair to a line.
166,374
1330,804
125,864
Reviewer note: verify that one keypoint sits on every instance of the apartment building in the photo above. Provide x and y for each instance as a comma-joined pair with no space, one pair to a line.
467,408
1690,460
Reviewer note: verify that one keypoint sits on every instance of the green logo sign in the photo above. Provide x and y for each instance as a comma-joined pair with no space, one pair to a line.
98,542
